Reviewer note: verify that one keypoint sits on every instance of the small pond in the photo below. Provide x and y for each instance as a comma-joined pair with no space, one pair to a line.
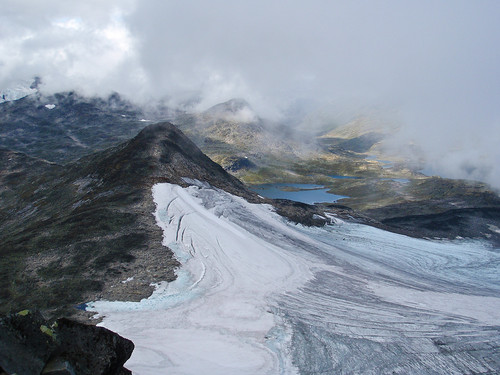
305,193
386,163
344,177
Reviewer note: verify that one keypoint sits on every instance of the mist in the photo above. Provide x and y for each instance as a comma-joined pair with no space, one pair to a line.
432,67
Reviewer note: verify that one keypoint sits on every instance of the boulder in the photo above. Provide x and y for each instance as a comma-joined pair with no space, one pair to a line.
30,345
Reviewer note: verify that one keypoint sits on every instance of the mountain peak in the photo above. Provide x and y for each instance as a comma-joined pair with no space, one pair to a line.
231,106
159,153
233,110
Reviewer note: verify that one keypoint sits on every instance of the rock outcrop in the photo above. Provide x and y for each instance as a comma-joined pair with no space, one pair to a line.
30,345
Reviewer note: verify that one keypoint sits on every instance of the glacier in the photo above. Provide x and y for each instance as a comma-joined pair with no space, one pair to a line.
257,294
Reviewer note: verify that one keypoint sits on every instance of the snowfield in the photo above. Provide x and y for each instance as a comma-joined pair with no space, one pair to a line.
259,295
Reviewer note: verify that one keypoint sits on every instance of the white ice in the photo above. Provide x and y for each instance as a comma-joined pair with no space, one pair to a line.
248,278
50,106
17,92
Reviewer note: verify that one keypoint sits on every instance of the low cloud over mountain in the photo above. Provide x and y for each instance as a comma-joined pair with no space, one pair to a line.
431,67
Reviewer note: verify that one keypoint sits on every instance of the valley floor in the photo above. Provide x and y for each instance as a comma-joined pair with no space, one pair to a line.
258,295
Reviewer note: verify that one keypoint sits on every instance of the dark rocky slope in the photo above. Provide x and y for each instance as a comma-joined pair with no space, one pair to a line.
444,208
66,126
477,222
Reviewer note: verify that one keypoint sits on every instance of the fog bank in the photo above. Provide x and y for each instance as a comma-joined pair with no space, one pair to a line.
432,67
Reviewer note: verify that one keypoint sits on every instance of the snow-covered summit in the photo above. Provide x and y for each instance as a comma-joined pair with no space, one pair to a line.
19,91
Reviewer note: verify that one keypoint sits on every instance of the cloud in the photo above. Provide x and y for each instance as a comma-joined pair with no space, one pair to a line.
84,46
433,66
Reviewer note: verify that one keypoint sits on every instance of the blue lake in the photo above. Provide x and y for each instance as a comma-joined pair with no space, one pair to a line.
344,177
306,193
386,163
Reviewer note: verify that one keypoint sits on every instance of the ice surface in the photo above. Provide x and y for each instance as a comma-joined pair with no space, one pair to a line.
258,295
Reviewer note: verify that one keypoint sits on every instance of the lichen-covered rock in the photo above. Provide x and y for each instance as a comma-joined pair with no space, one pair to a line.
29,345
24,348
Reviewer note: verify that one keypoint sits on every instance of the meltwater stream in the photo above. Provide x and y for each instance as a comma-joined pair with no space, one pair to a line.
258,295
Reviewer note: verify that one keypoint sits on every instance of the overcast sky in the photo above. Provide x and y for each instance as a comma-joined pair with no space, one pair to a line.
433,66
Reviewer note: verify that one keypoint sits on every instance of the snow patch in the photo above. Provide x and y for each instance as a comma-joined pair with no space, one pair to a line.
17,92
333,218
493,228
50,106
